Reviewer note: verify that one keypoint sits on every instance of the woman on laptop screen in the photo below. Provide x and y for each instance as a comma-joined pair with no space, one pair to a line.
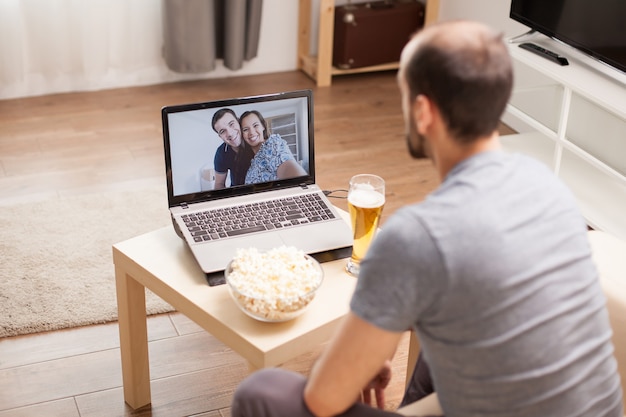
273,160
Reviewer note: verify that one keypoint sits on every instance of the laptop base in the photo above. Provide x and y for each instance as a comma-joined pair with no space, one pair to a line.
217,278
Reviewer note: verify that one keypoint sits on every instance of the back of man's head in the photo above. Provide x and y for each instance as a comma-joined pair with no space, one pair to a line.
465,69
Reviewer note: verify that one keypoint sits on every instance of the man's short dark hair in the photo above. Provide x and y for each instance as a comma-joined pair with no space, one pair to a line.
470,81
219,114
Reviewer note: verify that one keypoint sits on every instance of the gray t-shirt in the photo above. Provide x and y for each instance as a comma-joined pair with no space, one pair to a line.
494,272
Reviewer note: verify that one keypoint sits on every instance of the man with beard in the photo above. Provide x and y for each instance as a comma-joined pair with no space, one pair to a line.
233,155
492,270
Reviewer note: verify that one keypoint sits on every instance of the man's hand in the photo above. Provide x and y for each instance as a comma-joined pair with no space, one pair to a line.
378,384
356,353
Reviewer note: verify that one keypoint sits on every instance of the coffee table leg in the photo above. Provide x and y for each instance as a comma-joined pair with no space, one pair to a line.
131,305
252,367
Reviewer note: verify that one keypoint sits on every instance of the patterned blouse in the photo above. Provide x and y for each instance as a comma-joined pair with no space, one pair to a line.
264,166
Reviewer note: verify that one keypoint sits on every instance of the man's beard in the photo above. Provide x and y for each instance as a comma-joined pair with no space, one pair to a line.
416,142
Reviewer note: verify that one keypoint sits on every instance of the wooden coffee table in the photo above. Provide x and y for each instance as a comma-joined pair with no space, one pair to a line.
161,262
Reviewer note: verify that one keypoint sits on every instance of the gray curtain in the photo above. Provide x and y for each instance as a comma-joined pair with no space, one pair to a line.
198,32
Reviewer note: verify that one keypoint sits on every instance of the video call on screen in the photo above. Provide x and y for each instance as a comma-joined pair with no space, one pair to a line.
193,142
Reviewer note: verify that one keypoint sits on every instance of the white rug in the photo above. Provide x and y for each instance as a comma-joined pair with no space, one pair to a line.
56,268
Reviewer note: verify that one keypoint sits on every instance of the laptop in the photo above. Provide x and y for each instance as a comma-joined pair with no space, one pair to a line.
201,195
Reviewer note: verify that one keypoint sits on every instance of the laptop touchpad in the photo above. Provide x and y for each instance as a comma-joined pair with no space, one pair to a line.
215,257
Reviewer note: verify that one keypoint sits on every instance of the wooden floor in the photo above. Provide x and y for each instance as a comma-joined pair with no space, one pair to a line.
67,144
61,145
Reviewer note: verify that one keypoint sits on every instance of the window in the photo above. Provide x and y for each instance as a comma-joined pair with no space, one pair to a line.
285,126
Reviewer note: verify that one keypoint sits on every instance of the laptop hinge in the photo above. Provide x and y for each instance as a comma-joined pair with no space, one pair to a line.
184,206
304,186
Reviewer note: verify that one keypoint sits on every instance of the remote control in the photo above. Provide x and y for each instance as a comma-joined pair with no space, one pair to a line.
561,60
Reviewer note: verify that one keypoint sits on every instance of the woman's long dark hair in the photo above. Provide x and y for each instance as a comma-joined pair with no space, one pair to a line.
266,133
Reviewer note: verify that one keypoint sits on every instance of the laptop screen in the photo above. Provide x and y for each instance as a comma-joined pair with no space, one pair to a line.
238,146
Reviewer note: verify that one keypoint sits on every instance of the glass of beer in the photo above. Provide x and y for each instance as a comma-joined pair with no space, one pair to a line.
366,198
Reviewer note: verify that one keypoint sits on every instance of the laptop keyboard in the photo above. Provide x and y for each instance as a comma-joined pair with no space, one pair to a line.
256,217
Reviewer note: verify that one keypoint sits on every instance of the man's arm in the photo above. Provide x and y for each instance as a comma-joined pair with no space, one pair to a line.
355,355
220,180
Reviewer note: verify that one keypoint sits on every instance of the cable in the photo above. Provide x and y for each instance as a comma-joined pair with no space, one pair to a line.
328,193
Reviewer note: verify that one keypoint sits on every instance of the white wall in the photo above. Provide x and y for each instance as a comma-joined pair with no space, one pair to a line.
495,13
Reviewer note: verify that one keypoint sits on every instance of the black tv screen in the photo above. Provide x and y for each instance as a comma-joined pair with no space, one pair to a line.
596,27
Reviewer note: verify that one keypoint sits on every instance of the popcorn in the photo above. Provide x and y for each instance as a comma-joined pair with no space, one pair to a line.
274,285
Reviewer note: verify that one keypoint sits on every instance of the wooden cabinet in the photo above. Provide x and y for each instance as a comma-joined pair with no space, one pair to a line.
573,118
319,67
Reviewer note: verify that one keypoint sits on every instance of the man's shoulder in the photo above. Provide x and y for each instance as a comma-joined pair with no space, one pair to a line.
222,152
222,159
221,148
409,222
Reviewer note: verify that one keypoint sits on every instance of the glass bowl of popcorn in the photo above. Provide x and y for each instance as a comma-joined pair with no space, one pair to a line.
275,285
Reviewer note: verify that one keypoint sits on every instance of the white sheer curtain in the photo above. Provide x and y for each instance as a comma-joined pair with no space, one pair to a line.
66,45
49,46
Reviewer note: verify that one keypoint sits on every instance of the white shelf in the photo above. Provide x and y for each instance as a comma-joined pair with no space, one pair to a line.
584,75
601,197
534,144
573,119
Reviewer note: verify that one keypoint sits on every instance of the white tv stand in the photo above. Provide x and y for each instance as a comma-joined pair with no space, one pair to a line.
573,118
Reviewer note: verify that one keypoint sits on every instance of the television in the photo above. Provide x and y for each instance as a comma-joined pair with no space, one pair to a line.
595,27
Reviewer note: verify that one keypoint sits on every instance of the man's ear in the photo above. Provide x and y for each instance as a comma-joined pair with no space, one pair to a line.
422,113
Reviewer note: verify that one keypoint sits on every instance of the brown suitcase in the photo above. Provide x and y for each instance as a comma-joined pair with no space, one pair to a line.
374,33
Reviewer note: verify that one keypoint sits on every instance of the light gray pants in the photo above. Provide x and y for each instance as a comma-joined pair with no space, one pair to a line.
275,392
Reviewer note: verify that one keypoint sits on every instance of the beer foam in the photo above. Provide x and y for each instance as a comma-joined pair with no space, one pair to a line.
365,196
